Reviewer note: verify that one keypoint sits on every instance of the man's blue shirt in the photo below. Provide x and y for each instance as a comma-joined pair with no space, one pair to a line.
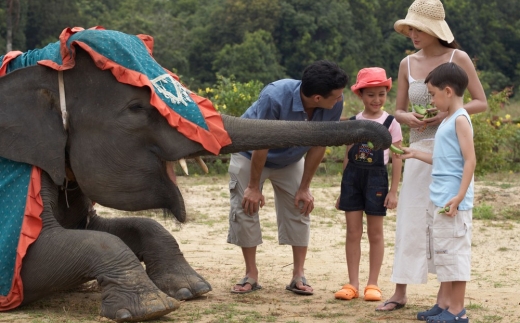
281,100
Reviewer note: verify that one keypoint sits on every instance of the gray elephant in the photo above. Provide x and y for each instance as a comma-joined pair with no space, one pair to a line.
109,145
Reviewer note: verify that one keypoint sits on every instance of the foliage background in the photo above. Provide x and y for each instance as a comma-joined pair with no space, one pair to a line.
227,50
266,40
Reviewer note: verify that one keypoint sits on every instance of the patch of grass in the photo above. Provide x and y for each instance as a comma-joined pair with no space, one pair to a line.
474,306
484,212
511,213
490,319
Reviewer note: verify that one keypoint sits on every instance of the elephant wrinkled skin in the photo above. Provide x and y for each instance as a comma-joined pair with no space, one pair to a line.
117,152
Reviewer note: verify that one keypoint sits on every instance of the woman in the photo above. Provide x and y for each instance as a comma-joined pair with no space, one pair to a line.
432,38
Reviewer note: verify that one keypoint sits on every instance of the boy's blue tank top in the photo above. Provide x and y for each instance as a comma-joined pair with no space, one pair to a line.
448,165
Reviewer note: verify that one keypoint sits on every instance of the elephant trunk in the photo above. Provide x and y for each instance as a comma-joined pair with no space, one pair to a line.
253,134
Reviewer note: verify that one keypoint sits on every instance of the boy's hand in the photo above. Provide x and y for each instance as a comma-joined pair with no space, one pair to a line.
408,153
453,206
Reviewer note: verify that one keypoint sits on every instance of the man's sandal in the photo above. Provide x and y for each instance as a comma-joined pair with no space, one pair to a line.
293,288
244,282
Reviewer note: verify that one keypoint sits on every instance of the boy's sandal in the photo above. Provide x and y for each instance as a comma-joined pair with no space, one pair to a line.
447,317
347,292
424,315
373,293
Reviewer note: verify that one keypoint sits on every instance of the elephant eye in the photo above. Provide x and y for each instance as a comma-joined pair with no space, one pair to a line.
135,107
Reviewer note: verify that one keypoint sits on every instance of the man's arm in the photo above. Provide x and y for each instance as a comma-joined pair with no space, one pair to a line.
253,198
312,161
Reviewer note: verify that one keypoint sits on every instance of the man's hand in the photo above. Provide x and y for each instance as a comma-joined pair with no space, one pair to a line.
253,200
304,201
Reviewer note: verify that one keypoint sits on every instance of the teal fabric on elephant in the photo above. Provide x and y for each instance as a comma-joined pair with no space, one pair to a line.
128,51
129,58
14,183
31,57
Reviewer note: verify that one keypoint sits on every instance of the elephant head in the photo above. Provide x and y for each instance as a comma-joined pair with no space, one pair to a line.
118,147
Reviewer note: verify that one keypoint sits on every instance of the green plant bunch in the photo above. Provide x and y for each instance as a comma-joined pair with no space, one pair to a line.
496,138
231,97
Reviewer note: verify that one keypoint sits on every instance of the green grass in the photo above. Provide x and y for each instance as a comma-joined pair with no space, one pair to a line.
483,212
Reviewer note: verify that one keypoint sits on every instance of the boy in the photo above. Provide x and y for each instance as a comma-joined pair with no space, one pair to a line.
451,193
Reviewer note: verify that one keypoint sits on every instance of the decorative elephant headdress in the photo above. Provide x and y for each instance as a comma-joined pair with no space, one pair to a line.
130,60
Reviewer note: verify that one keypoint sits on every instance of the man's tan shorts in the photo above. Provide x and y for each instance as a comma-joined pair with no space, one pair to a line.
449,244
244,230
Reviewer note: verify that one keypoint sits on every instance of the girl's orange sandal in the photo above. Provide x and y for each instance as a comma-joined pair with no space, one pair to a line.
372,293
347,292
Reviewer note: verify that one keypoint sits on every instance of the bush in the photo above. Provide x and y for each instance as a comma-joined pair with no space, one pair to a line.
496,138
230,97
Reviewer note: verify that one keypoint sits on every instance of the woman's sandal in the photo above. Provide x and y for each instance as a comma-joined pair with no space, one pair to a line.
347,292
373,293
424,315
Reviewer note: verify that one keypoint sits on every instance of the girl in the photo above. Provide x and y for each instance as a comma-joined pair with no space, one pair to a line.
364,187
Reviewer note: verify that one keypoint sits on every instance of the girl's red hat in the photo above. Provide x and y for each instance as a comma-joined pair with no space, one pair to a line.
371,77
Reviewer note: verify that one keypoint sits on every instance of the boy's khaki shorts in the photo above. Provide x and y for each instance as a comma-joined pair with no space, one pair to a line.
244,230
449,244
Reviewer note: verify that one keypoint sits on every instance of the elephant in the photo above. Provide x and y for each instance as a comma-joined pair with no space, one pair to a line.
118,151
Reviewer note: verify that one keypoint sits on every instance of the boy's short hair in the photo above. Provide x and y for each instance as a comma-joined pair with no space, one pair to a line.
322,77
449,74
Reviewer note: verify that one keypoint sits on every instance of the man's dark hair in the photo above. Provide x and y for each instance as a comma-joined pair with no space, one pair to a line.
449,74
322,77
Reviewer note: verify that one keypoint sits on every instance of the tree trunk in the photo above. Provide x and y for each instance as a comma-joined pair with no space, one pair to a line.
9,26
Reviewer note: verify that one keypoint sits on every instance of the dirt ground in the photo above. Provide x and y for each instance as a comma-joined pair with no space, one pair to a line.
492,295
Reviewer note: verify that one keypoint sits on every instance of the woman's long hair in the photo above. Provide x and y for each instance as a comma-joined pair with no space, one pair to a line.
453,44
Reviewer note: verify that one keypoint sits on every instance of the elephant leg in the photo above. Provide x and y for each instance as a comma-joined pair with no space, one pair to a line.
61,259
158,249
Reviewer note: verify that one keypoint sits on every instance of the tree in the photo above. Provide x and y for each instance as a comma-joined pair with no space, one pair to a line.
47,19
254,59
310,30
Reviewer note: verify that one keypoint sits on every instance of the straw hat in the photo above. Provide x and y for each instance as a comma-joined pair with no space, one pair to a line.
428,16
371,77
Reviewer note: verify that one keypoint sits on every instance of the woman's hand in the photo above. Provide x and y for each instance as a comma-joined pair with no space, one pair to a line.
412,119
437,119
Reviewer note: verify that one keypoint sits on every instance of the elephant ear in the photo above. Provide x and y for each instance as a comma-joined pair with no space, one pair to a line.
31,127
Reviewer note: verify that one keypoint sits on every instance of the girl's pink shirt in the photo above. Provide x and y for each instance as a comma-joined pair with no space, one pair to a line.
394,129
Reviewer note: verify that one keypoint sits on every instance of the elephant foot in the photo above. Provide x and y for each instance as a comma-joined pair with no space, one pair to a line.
184,288
180,282
121,304
138,308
